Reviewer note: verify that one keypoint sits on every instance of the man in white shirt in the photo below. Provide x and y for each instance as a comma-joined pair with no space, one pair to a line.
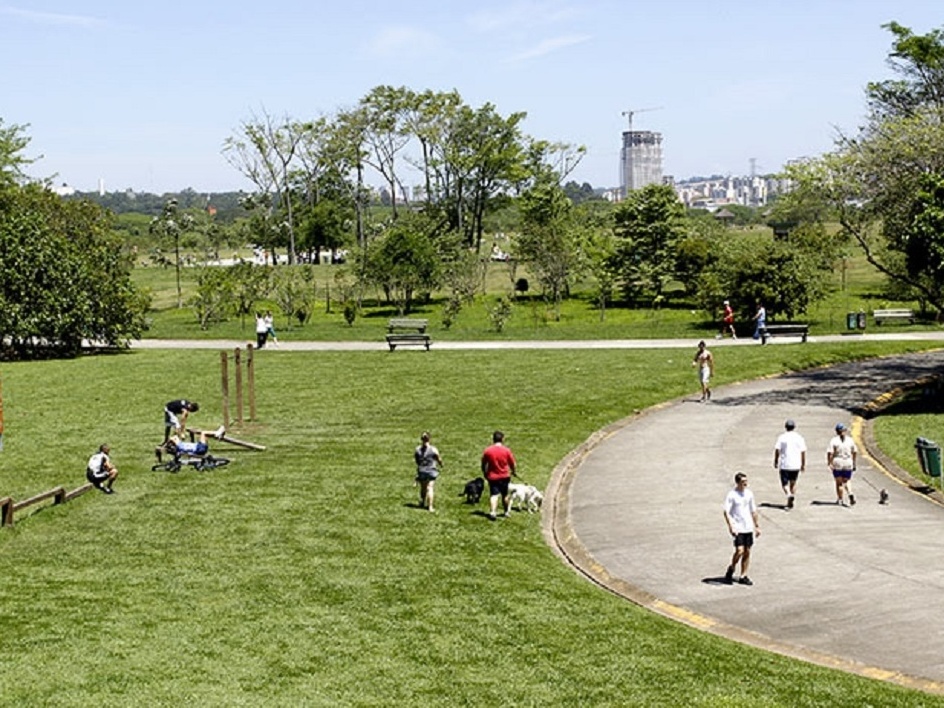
841,459
790,459
100,471
740,514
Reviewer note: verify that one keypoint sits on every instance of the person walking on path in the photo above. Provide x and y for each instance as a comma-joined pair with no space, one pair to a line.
727,321
428,462
790,459
270,327
100,470
498,464
706,367
262,331
760,320
841,459
740,514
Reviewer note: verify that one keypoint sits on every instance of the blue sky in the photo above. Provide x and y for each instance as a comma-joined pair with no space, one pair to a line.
143,95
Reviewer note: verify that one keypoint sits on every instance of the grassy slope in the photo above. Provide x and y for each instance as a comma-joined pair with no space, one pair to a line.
304,575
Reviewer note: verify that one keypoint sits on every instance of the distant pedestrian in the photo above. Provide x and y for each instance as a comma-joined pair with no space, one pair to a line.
706,367
760,320
100,471
428,462
841,459
727,321
790,459
740,514
270,327
498,465
262,331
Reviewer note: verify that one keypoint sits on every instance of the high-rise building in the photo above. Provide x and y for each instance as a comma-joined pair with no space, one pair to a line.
640,159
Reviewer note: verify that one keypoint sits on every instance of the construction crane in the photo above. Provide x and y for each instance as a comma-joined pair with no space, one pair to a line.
631,113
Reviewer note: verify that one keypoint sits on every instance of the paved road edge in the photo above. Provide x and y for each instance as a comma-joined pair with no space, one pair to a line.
559,534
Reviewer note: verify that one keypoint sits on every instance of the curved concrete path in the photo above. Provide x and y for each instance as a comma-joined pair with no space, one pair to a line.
638,509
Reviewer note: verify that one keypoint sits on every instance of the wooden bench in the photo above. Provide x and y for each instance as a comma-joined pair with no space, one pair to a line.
784,330
415,334
902,313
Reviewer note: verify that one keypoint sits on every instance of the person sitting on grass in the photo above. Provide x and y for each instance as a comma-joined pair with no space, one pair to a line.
100,471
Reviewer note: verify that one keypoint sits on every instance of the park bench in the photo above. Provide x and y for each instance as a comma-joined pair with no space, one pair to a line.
784,330
893,314
407,332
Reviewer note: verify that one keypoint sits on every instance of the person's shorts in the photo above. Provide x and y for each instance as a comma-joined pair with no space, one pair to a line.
201,449
170,419
498,486
842,474
744,540
704,374
426,476
96,477
788,476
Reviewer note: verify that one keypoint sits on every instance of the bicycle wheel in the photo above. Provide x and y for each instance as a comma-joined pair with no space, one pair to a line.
211,462
169,466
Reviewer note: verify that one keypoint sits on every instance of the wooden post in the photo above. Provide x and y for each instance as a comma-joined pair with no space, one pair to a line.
237,362
224,380
6,510
251,380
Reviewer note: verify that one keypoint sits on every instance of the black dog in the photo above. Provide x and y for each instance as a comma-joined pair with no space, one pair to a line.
473,490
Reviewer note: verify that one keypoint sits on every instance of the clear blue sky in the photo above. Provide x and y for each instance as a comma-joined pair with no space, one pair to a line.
144,94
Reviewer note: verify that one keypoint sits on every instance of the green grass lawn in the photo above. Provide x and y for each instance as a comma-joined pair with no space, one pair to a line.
305,575
897,428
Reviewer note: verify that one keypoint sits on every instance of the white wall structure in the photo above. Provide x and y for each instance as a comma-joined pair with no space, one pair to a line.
640,159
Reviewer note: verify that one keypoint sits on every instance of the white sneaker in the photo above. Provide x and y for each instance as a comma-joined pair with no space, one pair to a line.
220,432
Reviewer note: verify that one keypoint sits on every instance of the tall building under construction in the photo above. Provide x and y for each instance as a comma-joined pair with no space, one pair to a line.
640,159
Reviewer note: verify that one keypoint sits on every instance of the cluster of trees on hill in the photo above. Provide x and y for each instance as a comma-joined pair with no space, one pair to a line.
63,277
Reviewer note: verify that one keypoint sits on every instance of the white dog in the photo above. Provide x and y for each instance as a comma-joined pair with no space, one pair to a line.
527,495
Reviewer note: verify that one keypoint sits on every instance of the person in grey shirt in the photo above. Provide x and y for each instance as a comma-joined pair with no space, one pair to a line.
428,463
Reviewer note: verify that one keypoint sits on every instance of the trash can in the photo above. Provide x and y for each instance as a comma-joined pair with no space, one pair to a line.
851,320
860,319
929,456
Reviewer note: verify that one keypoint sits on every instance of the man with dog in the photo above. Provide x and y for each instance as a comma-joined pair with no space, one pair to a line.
498,465
428,462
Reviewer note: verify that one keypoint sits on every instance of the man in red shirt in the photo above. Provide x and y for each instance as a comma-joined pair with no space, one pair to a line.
498,464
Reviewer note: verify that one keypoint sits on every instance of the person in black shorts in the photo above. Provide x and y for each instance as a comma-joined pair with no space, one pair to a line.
100,471
175,416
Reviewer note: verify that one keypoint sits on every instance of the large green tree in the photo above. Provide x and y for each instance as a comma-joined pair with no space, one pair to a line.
649,224
64,279
876,182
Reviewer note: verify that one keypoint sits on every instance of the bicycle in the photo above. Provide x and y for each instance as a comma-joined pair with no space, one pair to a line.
200,463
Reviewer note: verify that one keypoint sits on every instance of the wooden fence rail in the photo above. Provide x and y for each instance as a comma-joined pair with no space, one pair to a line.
59,495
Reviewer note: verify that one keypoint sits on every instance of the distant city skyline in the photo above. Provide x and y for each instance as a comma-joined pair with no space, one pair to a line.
143,95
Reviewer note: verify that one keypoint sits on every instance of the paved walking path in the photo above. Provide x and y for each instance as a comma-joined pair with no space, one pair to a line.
289,345
639,510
